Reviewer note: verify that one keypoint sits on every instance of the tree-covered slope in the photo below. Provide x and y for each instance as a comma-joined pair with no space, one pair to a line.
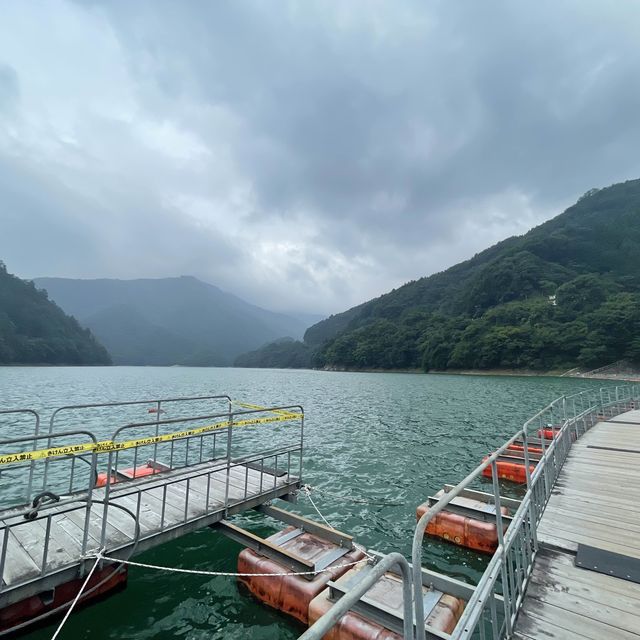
33,330
283,354
566,293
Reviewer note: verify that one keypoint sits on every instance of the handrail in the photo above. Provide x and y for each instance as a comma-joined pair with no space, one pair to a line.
270,460
232,414
128,403
529,512
325,623
36,432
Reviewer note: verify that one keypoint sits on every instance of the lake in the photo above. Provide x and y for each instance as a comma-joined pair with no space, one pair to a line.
378,437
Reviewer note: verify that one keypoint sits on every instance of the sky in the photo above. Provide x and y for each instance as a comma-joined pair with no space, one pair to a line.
305,155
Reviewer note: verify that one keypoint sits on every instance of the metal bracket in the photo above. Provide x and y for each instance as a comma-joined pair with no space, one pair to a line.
381,613
476,514
608,563
331,535
266,548
489,498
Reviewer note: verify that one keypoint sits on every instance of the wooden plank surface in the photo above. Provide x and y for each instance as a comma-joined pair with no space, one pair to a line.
596,501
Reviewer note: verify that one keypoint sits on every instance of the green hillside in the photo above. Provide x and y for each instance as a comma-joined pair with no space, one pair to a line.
497,309
33,330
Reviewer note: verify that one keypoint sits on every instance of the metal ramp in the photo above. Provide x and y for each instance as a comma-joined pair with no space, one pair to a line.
217,465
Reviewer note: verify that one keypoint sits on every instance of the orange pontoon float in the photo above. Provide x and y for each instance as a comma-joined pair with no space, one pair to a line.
467,521
290,593
119,475
442,611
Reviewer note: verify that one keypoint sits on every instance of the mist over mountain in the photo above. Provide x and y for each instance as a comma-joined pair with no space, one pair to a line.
34,330
169,320
566,293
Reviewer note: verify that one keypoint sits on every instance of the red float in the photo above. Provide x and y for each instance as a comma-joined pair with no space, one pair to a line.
45,603
388,593
462,530
130,474
508,470
288,593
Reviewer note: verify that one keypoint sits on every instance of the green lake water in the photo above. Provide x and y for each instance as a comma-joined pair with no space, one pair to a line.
370,436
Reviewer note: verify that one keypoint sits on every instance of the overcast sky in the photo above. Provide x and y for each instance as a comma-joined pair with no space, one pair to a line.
303,155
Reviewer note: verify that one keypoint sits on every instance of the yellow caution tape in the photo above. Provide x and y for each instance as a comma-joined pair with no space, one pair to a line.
246,405
108,445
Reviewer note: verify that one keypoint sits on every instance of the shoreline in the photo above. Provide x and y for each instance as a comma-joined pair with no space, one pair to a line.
627,377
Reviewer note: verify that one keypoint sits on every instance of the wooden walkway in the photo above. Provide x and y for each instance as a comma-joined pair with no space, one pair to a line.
596,502
168,505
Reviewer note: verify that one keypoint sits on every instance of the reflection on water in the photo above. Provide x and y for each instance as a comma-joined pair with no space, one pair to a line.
387,438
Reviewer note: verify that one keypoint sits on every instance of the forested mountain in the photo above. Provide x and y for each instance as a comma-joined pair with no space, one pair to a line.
566,293
285,353
169,320
33,330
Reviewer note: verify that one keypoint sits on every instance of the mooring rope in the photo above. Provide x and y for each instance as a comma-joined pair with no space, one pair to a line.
99,557
375,503
230,574
307,491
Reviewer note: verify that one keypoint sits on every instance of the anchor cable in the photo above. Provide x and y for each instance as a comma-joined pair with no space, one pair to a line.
75,600
95,587
376,503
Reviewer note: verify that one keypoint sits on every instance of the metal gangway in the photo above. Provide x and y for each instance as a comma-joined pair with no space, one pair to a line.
67,495
496,600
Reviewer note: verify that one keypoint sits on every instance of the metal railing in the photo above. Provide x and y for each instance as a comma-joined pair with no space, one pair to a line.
509,570
492,609
205,461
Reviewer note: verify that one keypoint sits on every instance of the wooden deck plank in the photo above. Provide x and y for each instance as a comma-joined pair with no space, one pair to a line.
596,501
19,565
67,525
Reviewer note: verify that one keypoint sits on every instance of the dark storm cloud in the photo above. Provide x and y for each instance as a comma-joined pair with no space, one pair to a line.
311,154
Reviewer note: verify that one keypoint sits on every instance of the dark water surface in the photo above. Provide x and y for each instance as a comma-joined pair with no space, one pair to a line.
379,437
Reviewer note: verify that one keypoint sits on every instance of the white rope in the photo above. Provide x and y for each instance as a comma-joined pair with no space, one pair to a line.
375,503
228,574
307,491
75,600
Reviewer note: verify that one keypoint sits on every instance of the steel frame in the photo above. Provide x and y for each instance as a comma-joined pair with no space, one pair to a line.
493,604
285,461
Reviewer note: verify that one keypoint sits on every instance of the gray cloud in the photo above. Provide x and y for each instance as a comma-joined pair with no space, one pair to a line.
303,154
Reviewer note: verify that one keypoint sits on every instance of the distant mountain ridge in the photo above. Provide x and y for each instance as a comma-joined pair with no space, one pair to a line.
168,321
565,293
34,330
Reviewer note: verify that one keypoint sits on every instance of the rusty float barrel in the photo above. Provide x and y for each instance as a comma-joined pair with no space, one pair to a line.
442,611
290,593
469,530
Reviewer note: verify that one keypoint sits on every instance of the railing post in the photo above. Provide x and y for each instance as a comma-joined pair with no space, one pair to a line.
229,442
105,511
504,559
545,474
301,444
32,464
158,412
87,517
533,519
326,622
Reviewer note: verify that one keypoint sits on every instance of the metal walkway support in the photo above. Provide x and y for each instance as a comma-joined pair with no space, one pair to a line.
493,607
153,481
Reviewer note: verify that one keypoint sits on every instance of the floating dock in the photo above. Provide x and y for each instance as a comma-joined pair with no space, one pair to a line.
586,577
564,563
67,512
